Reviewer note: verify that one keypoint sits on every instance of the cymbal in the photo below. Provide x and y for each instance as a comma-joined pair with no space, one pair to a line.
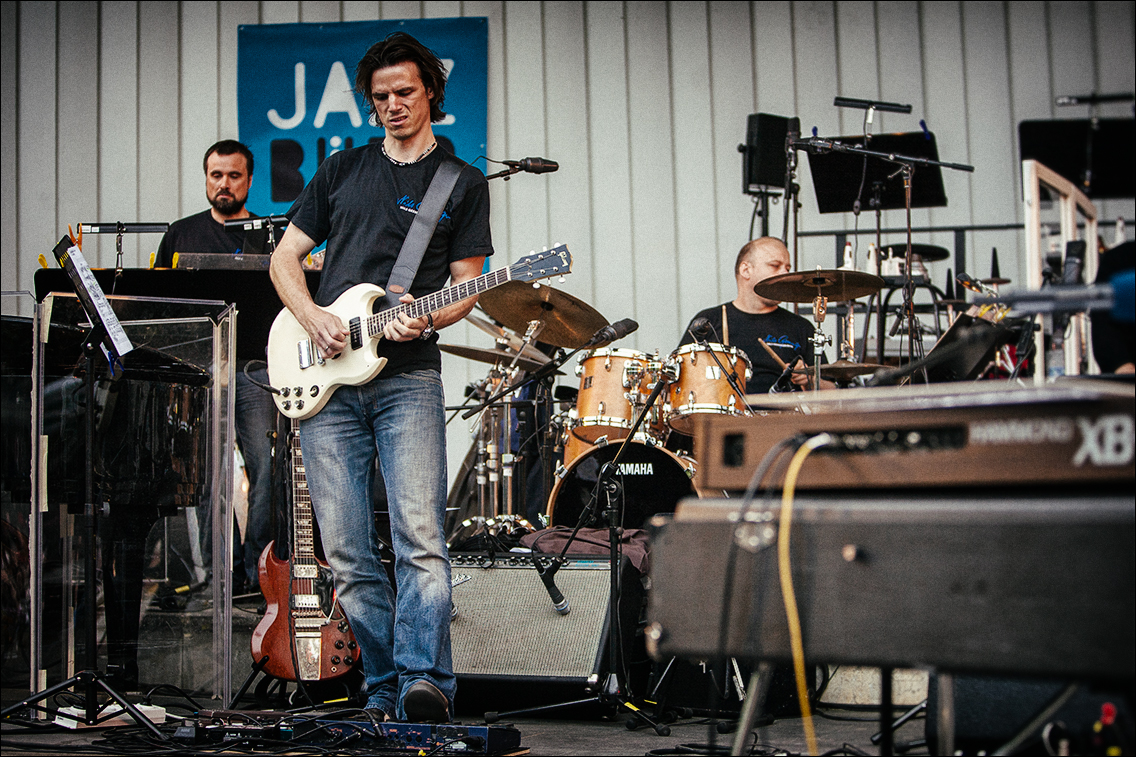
568,322
928,253
514,341
842,370
838,285
483,355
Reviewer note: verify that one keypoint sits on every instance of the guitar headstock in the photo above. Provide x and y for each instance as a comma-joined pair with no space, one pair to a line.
541,265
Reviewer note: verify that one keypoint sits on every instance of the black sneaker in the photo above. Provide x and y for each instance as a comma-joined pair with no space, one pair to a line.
425,703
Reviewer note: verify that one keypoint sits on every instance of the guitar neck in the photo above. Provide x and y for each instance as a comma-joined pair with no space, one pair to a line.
432,303
304,564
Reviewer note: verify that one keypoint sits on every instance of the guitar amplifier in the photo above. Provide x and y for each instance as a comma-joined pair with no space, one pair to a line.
505,626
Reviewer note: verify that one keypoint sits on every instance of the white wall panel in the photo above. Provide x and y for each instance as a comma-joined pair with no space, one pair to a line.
642,104
79,123
9,156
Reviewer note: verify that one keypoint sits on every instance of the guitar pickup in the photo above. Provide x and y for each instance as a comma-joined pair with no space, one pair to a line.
305,571
355,326
305,601
306,356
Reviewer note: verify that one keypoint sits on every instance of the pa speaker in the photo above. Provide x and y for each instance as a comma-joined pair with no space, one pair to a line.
505,627
763,162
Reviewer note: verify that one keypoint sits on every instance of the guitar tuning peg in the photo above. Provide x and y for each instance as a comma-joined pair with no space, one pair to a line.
561,279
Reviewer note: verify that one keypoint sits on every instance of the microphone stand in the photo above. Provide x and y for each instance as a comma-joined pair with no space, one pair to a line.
614,690
906,165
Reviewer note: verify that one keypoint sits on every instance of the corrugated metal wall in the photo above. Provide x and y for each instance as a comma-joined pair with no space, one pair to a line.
107,108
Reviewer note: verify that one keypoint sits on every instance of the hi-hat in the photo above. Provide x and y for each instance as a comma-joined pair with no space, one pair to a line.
494,357
568,321
838,285
928,253
842,370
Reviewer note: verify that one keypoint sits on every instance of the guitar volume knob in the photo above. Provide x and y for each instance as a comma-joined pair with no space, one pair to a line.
343,626
287,404
339,643
299,404
351,645
298,391
285,391
335,659
348,660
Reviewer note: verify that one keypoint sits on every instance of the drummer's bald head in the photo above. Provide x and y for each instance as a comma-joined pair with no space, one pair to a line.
761,244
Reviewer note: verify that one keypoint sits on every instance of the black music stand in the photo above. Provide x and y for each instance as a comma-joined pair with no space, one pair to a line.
1098,155
106,334
844,180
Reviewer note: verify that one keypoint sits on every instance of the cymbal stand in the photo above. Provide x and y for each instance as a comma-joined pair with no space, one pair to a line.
819,339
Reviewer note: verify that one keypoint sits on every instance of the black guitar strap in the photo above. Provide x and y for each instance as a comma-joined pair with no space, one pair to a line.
422,229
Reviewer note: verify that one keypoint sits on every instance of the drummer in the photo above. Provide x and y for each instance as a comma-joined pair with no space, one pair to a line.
751,317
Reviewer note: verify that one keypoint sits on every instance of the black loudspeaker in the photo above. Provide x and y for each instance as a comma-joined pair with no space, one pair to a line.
989,711
763,154
505,627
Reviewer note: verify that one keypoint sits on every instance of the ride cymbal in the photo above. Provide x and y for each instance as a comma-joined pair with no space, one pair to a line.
837,285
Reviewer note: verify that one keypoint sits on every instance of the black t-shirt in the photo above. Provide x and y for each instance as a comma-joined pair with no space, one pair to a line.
787,333
201,233
362,205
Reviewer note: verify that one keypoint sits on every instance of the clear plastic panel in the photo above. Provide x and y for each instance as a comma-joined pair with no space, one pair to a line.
162,482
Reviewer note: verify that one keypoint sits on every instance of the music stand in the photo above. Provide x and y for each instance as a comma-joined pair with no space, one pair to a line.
1097,155
843,180
106,334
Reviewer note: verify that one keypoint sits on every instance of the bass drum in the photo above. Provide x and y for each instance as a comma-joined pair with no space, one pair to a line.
654,481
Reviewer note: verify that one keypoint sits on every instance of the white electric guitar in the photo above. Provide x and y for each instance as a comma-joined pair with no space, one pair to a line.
305,381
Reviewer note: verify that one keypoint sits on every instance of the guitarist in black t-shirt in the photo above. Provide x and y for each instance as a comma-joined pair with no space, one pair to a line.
751,317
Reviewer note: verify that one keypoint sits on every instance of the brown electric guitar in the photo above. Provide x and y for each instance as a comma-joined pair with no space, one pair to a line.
304,626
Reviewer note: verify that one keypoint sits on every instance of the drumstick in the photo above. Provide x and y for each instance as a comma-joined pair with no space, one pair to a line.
773,354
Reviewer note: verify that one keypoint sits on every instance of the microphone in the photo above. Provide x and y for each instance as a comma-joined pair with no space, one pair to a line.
534,165
700,329
617,330
784,382
559,603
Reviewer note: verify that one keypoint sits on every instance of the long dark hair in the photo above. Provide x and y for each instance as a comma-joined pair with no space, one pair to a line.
400,47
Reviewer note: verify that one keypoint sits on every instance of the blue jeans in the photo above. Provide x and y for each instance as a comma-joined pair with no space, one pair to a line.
255,419
402,419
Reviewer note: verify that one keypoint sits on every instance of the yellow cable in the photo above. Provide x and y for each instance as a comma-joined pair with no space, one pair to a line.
796,645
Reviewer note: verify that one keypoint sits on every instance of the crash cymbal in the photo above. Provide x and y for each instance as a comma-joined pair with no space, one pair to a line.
514,341
837,285
483,355
928,253
568,321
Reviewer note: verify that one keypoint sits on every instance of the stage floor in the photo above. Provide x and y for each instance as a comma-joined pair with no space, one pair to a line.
562,736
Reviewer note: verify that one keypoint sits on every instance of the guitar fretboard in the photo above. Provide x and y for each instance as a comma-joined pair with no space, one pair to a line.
305,568
443,298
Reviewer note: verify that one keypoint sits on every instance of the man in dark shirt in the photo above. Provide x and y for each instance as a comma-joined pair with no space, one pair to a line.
751,317
362,202
228,175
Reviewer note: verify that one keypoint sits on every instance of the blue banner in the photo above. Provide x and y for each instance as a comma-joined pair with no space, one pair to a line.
296,102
